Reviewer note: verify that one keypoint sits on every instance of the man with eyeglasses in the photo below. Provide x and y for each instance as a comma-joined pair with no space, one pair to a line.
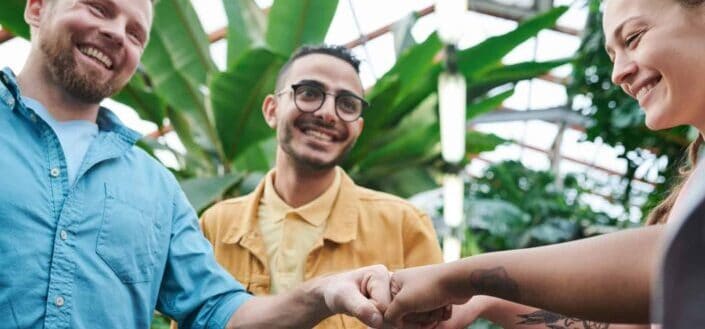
307,218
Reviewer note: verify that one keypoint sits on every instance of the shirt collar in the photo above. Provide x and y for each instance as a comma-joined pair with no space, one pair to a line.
315,212
9,91
341,226
11,95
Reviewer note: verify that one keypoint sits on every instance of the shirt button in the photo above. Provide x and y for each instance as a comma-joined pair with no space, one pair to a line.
54,172
59,301
63,235
33,117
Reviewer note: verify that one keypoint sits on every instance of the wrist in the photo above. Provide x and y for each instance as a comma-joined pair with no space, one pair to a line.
315,294
455,281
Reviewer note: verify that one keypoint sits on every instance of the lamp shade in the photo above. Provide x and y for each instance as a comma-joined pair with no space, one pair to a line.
450,15
452,107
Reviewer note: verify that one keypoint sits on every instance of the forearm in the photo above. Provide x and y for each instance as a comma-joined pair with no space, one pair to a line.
510,315
606,278
302,308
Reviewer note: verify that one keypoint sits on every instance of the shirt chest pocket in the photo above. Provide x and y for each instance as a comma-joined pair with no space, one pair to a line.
127,240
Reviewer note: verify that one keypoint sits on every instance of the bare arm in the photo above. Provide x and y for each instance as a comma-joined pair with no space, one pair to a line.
318,299
510,315
362,293
605,278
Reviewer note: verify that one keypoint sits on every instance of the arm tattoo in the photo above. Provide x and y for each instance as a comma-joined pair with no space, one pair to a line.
495,282
557,321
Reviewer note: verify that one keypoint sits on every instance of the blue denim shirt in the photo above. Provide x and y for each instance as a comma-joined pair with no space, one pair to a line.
107,251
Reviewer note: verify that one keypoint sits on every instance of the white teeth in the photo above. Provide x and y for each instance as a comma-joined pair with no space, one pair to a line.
318,135
644,90
97,54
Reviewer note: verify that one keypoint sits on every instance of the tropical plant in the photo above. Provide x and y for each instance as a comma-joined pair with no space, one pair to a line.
512,207
216,113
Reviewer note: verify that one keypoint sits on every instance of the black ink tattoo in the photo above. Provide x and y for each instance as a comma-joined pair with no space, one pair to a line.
495,282
557,321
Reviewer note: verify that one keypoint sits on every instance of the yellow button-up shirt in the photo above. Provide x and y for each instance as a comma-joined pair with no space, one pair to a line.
364,227
286,253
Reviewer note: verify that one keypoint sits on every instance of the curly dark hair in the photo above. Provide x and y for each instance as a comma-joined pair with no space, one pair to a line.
331,50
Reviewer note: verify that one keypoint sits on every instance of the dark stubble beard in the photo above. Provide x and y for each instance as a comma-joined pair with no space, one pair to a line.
64,70
308,163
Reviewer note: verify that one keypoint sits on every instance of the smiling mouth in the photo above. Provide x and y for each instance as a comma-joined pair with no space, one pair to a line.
641,93
318,135
97,56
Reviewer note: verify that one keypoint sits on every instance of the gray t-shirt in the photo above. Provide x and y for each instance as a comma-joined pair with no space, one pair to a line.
680,297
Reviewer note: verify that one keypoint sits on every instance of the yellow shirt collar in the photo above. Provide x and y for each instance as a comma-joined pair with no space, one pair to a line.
315,212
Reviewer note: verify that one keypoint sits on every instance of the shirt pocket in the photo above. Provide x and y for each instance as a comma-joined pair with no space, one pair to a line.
127,237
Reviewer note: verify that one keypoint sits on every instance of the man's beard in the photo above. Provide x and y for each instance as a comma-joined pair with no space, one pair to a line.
307,162
64,70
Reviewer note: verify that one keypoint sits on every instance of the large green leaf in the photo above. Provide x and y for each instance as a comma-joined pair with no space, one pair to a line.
12,17
415,145
408,83
296,22
177,42
487,104
510,73
385,94
178,62
198,158
403,182
477,142
202,192
413,141
246,24
415,63
148,105
237,96
498,217
552,231
475,60
260,157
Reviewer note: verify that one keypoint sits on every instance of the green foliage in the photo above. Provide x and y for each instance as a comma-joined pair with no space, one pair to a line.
296,23
160,322
239,123
12,17
246,26
617,119
217,116
484,324
513,207
401,126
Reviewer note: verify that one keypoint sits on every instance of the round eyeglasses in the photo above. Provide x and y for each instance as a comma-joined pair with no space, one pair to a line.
310,98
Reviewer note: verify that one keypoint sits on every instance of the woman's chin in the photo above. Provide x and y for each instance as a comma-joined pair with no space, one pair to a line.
655,122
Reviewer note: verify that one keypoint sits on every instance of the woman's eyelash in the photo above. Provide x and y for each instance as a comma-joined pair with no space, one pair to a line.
632,37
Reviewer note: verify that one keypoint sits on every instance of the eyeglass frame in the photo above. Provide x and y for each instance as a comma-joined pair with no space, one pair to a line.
295,86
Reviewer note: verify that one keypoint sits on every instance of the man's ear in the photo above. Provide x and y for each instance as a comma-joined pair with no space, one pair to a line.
269,111
33,11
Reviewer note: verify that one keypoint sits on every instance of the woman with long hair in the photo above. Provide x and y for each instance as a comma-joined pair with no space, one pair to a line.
656,47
